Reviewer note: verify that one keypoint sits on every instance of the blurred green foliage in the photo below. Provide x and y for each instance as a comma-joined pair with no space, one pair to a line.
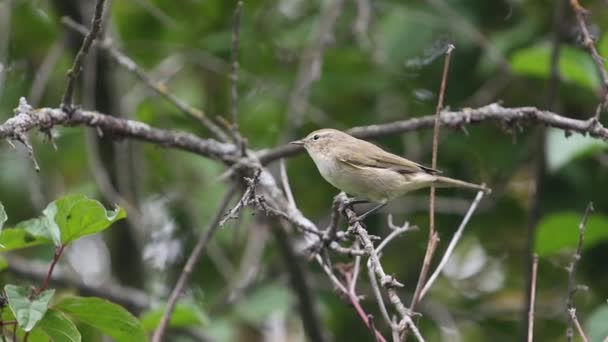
502,53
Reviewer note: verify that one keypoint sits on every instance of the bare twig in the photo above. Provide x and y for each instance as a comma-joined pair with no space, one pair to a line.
580,13
66,102
452,245
160,88
389,283
576,257
532,299
433,236
396,231
197,252
577,324
286,186
248,196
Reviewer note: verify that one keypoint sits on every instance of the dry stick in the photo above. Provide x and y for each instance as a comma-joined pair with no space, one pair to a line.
160,88
433,236
580,13
572,274
532,299
189,266
66,102
389,283
452,245
579,328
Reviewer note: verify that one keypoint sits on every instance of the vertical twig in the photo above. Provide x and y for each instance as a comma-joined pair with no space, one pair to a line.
532,299
452,245
576,257
189,266
66,102
433,236
580,13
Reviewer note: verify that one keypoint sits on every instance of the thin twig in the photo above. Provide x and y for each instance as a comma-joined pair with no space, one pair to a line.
66,102
532,299
285,181
396,231
196,254
389,283
160,88
580,13
577,324
433,236
452,245
248,196
576,257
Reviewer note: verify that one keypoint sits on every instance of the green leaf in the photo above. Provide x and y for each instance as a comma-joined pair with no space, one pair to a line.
596,326
17,238
561,150
59,327
575,65
558,231
72,217
111,319
27,311
184,315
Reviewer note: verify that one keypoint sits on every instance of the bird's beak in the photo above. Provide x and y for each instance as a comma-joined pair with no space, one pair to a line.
297,142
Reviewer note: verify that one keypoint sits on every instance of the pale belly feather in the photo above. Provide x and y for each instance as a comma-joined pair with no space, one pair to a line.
374,184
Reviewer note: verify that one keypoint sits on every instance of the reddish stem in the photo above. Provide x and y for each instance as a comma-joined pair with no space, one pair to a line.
47,279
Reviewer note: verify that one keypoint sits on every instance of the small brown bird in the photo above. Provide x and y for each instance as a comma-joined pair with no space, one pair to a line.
368,172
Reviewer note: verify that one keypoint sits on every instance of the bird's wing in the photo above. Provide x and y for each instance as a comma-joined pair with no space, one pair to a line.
378,158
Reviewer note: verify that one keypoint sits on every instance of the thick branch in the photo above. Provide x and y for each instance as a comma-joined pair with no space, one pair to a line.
456,119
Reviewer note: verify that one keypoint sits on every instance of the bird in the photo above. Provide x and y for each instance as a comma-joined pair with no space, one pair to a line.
367,172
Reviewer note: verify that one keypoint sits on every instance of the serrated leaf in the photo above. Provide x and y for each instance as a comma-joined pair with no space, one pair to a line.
561,150
575,65
58,327
17,238
559,231
28,312
109,318
596,326
70,218
184,315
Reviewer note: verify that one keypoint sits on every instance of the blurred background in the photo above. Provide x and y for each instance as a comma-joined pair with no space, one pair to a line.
380,61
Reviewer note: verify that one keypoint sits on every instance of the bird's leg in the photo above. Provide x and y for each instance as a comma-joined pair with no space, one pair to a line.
367,213
353,201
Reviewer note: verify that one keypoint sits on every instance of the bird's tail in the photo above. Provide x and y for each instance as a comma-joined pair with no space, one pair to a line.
446,182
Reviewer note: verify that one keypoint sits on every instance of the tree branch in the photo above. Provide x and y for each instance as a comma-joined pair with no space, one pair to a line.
66,102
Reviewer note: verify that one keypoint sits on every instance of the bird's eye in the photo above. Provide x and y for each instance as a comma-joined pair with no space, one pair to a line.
315,137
